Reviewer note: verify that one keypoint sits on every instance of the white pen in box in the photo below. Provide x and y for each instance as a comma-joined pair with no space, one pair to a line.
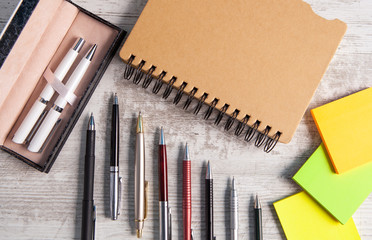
38,107
50,120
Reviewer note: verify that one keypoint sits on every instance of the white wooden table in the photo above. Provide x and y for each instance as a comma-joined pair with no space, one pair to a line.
35,205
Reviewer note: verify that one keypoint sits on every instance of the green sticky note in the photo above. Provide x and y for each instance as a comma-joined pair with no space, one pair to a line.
339,194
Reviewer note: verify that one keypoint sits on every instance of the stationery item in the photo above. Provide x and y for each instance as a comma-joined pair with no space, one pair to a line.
34,42
209,203
345,128
89,210
234,224
186,195
51,119
339,194
140,188
256,62
38,107
115,179
164,214
302,218
258,217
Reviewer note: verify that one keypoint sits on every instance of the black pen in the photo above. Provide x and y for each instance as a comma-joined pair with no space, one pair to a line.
258,217
89,210
115,180
209,203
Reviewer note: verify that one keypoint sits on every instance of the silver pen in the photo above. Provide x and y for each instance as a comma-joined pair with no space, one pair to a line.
234,211
115,179
140,188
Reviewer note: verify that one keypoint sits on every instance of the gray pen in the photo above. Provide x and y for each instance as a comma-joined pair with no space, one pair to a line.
115,179
234,211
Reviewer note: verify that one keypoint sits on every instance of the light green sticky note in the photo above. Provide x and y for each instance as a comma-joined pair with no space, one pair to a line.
339,194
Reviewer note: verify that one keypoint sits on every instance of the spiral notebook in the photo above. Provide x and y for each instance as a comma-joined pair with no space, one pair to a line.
256,62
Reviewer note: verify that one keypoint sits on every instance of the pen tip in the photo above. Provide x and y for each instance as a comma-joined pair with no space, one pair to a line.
161,138
91,125
116,99
209,171
257,203
139,123
139,233
187,153
233,183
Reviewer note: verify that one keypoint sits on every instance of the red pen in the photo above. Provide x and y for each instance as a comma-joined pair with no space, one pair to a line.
186,196
164,209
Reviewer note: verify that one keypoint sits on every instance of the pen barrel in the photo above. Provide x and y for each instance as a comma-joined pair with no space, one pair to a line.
87,220
114,160
114,192
163,223
139,174
163,174
234,219
258,217
209,208
186,200
89,165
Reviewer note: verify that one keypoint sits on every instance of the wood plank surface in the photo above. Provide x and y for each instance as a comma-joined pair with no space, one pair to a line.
35,205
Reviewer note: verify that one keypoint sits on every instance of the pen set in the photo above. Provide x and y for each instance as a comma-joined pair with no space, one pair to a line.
39,123
141,185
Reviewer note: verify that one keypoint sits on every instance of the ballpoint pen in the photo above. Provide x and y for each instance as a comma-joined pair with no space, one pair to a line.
164,213
89,216
60,103
234,211
140,188
186,195
209,203
38,107
258,217
115,179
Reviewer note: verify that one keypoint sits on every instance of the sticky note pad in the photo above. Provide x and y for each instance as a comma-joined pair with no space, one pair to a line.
345,126
302,218
339,194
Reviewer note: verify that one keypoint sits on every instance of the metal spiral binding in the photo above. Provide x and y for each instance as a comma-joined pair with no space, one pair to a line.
221,114
231,119
262,138
239,129
200,103
190,98
139,74
148,77
169,88
179,94
159,83
211,108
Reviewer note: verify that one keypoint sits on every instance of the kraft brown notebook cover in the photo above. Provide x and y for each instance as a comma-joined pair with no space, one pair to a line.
261,60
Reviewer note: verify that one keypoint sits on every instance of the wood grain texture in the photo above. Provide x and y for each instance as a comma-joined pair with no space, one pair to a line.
34,205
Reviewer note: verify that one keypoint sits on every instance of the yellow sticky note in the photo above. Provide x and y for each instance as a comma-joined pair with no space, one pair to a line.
345,126
302,218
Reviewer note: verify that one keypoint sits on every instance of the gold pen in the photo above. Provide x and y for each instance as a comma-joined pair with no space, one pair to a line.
140,188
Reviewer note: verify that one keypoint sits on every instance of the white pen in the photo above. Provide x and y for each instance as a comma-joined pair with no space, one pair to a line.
38,107
50,120
234,211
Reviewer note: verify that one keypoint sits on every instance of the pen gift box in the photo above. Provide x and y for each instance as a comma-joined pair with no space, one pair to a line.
52,56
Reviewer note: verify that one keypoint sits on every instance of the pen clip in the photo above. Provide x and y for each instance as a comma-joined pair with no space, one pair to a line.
170,223
94,221
146,198
119,200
